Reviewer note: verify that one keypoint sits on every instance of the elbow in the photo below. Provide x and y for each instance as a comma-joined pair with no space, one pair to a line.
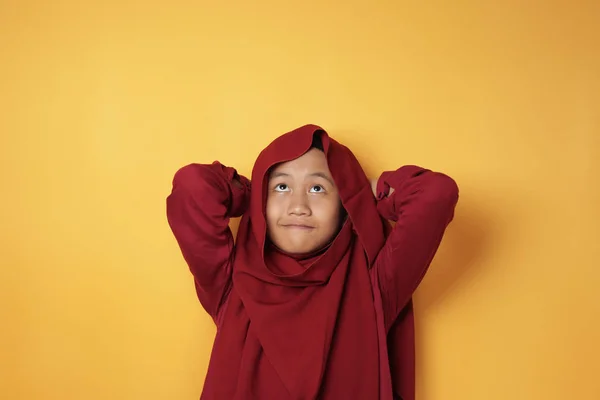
448,188
444,193
200,184
192,178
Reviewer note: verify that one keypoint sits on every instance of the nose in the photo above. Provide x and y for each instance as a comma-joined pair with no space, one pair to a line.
299,205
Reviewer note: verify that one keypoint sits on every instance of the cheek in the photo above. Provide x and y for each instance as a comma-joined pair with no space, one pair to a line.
271,222
329,215
273,212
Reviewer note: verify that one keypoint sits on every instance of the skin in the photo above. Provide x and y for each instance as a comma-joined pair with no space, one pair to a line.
374,187
303,204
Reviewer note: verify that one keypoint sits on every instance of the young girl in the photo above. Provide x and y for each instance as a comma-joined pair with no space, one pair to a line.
314,299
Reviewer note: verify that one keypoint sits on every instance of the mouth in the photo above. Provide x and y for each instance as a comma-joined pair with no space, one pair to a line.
298,226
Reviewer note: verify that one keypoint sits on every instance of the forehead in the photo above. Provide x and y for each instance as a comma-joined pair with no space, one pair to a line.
312,161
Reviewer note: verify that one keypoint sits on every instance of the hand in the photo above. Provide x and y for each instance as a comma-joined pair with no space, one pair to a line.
237,183
240,181
374,186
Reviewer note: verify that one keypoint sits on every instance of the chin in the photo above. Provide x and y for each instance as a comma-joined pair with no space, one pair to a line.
301,250
295,247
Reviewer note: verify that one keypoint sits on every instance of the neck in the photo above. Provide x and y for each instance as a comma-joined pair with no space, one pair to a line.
299,256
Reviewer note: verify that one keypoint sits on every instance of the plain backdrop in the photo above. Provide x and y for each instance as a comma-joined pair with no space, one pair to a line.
102,101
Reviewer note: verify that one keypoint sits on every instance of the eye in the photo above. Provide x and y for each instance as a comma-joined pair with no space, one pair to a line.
317,189
281,187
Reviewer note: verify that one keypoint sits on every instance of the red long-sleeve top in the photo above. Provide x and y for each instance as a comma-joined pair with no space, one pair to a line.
206,196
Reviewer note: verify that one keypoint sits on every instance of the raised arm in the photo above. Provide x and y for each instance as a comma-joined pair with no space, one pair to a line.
203,199
422,204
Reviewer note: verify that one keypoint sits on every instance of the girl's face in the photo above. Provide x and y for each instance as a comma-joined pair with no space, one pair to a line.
303,204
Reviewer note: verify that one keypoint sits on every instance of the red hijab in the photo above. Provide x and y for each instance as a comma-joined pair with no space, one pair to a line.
302,328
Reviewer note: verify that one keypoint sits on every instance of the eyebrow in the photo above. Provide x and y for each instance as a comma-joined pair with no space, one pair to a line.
314,174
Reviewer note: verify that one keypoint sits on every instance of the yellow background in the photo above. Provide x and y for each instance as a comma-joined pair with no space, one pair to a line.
101,102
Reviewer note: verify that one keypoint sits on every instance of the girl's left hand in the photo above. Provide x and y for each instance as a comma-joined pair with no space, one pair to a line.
374,186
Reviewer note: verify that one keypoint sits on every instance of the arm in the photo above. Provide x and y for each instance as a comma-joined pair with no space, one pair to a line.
422,204
203,199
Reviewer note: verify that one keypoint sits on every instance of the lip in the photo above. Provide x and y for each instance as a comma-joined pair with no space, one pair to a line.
298,226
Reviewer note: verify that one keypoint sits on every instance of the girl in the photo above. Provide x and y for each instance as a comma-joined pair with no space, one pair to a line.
314,299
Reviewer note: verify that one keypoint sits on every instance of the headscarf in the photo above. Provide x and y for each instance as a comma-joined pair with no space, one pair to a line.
302,328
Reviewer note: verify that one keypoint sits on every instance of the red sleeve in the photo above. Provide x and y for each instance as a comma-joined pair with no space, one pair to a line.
422,205
203,199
